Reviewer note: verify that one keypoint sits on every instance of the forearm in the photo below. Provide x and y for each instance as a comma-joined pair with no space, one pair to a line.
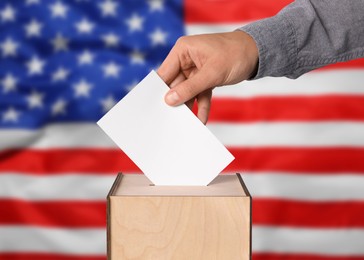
308,34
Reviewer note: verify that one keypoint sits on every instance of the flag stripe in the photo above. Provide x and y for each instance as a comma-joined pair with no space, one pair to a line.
302,256
80,214
56,187
308,214
329,242
256,256
49,256
56,136
66,161
307,187
309,160
198,28
265,239
27,239
293,108
284,185
295,159
357,63
230,11
266,211
292,134
340,82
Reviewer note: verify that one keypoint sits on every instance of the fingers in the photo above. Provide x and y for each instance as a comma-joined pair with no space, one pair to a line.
204,104
170,67
181,77
203,99
190,103
178,79
191,87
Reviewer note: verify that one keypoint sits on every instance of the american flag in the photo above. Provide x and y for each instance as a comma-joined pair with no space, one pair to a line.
63,64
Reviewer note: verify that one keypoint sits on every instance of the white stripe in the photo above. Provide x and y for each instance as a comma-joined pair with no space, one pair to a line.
330,242
55,187
340,82
81,135
88,135
265,239
307,187
329,134
215,28
53,240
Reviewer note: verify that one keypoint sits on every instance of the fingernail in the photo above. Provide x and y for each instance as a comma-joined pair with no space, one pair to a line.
172,98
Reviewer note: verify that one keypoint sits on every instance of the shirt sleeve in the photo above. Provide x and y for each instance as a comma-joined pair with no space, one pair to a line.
308,34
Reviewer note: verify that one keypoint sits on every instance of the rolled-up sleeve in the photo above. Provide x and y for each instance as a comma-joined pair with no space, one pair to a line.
308,34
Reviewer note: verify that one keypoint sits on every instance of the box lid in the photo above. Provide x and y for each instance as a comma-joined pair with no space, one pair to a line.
140,185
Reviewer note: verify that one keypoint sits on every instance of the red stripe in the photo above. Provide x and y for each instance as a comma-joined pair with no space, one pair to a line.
308,214
82,214
307,160
53,213
256,256
296,159
353,64
283,256
198,11
291,108
48,256
66,160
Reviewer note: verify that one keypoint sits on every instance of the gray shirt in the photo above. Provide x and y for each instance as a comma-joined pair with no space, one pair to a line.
308,34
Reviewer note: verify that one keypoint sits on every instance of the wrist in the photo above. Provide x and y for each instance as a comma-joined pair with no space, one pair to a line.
250,53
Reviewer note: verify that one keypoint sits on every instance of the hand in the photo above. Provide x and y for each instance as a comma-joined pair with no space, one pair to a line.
197,64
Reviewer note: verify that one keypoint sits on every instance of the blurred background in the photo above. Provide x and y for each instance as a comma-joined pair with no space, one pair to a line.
64,63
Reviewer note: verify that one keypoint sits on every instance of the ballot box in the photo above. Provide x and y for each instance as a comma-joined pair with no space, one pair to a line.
151,222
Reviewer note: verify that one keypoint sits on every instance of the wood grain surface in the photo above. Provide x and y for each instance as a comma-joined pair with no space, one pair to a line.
179,227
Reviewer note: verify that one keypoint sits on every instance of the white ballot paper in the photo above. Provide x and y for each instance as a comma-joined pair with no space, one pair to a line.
169,144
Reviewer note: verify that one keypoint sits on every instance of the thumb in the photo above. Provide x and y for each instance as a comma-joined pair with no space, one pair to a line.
191,87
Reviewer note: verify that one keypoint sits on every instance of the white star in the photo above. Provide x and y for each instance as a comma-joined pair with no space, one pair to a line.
107,103
137,57
86,58
60,74
135,23
158,37
108,8
58,9
30,2
11,115
9,47
111,70
7,14
84,26
82,88
35,100
35,66
33,28
156,5
9,83
59,107
110,39
60,43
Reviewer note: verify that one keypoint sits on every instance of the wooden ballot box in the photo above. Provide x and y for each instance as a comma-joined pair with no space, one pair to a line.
179,222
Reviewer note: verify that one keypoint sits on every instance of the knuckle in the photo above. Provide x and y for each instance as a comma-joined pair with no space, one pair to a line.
181,41
186,92
190,89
